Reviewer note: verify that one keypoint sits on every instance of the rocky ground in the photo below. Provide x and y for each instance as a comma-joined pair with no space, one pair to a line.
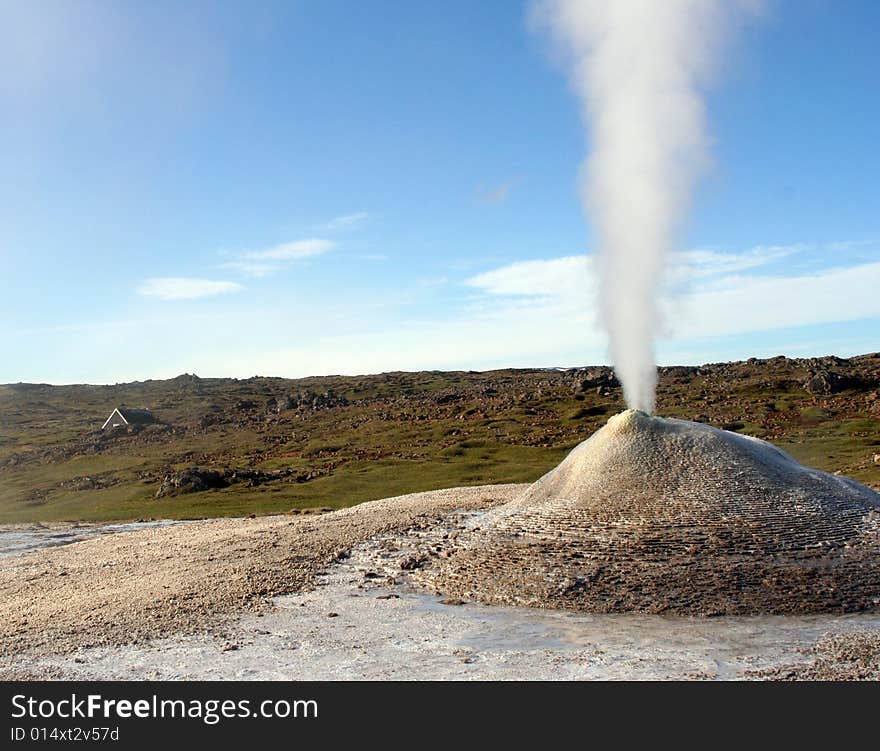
339,602
850,656
128,588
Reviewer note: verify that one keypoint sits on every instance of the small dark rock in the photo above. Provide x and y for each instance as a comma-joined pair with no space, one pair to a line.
412,562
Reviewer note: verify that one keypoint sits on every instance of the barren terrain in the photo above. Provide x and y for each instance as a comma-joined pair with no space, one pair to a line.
332,597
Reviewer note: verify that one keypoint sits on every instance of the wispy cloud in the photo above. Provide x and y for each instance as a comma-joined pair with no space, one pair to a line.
696,264
557,277
575,276
291,251
183,288
723,293
347,220
525,314
265,261
499,193
740,304
249,268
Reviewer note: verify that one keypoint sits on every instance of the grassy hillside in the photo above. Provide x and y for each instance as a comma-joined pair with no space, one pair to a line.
334,441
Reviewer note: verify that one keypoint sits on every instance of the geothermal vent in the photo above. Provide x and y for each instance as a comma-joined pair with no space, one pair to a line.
664,515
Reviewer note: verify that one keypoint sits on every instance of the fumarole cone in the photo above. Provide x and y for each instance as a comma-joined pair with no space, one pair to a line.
663,515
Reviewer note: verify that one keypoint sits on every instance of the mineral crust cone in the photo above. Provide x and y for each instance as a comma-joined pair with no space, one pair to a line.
663,515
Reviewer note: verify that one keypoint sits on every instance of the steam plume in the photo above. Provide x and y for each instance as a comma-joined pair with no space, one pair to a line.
637,66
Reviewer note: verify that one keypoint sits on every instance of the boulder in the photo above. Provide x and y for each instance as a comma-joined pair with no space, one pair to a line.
825,382
191,480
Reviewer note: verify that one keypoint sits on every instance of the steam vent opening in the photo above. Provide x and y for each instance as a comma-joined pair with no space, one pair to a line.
663,515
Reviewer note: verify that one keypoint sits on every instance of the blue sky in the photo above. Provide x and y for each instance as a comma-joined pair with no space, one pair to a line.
301,188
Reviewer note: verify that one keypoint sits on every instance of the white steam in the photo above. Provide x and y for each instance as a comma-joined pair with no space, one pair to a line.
637,66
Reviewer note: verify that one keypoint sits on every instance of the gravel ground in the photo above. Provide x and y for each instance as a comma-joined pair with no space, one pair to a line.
334,597
154,583
16,539
365,620
849,656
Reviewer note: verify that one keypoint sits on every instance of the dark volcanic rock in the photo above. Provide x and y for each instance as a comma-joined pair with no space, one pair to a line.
678,373
284,402
826,382
191,480
195,480
589,379
311,400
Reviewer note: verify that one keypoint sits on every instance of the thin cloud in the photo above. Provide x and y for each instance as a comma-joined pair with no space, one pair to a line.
499,193
719,300
555,277
510,321
575,276
249,268
741,304
700,264
347,220
292,251
182,288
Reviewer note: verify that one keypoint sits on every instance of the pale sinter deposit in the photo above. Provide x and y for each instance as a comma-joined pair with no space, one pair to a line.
666,515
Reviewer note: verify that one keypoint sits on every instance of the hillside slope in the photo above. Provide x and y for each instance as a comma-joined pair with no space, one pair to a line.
233,447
